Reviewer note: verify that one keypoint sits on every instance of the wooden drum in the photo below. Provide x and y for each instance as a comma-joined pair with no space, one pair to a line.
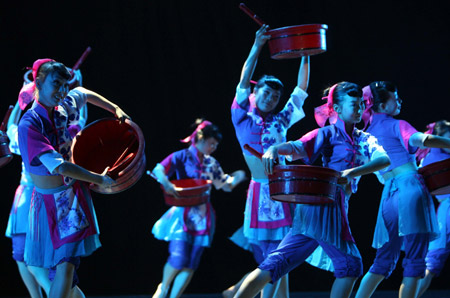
109,143
437,177
296,41
191,192
303,184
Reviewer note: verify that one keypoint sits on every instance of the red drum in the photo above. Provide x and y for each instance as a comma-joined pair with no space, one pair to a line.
296,41
5,154
437,177
109,143
303,184
191,192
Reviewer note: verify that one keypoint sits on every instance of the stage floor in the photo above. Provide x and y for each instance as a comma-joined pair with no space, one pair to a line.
378,294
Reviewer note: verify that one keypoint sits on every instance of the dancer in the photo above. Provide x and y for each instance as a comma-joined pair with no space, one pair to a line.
63,225
189,229
325,228
439,249
266,222
406,217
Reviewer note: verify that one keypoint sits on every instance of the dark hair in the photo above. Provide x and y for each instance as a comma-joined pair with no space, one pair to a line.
441,128
270,81
53,66
380,92
342,89
209,131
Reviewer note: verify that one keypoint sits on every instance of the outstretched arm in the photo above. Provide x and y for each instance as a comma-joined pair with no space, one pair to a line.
74,171
370,167
100,101
250,63
270,158
303,74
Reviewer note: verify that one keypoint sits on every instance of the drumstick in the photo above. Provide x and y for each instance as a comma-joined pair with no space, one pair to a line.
252,151
82,58
133,140
5,120
255,18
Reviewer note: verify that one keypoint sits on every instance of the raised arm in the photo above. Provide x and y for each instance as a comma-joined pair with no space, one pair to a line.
303,74
100,101
250,63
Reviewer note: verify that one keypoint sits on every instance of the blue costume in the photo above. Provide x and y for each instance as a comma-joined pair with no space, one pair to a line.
189,229
406,218
62,221
323,229
266,221
439,249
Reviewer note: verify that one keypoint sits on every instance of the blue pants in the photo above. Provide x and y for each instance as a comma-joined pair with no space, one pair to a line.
184,255
263,249
415,246
18,246
293,251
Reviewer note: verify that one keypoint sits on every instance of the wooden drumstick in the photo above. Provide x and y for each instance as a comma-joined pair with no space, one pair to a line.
252,151
82,58
251,14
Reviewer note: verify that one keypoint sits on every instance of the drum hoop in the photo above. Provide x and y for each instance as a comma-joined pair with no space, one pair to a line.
435,173
303,194
296,34
302,179
206,193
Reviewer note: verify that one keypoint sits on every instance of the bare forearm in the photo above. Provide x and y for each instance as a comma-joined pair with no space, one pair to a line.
15,115
99,100
372,166
79,173
437,142
303,74
249,66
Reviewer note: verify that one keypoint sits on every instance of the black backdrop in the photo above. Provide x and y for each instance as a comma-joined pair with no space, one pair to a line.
167,62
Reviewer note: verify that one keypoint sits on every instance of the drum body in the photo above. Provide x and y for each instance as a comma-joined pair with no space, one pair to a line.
5,154
296,41
437,177
191,192
303,184
109,143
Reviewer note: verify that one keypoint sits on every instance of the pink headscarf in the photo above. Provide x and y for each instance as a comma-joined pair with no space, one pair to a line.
191,138
326,112
368,99
421,153
26,94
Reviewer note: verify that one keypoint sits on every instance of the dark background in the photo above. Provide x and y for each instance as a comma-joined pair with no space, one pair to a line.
167,62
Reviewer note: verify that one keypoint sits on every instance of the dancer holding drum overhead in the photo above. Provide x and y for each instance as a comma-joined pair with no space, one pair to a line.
406,217
323,230
266,222
189,229
63,225
438,249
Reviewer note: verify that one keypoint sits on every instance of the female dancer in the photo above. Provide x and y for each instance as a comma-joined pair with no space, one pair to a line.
318,228
266,222
406,218
63,225
189,229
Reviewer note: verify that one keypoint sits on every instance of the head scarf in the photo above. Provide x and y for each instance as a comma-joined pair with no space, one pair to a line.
26,94
191,138
326,112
